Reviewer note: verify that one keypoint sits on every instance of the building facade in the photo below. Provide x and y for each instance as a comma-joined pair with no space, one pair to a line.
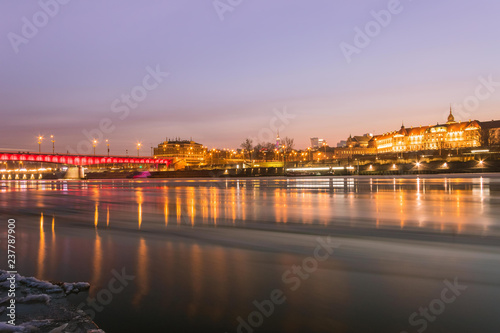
451,135
317,143
186,151
490,133
356,145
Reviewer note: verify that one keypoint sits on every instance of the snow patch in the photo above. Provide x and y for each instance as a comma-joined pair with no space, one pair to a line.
75,287
39,298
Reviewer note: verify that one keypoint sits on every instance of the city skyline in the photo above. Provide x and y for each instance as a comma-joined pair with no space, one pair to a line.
103,147
223,76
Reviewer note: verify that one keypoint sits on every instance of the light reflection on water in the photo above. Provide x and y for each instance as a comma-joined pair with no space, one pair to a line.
212,280
431,203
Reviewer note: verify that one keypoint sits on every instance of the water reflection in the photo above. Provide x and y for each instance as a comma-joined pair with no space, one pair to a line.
139,207
96,263
142,279
459,205
180,238
41,250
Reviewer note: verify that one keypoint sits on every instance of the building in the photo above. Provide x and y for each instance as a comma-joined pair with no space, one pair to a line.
451,135
185,152
357,145
318,143
341,143
490,133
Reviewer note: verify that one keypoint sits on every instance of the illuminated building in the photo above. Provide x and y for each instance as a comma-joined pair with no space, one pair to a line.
182,151
357,145
451,135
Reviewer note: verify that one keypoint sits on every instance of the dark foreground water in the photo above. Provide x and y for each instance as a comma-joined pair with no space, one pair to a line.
268,255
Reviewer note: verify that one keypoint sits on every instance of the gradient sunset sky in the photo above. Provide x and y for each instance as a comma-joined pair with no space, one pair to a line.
228,77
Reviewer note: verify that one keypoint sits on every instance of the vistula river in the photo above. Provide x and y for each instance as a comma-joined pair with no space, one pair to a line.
330,254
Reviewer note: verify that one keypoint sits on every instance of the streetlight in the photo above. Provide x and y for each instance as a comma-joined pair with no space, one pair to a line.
107,144
40,138
94,143
138,148
53,142
418,167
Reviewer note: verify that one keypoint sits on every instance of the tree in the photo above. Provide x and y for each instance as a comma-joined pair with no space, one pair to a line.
289,144
263,150
247,145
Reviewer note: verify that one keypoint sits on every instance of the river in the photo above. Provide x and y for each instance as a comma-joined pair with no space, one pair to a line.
326,254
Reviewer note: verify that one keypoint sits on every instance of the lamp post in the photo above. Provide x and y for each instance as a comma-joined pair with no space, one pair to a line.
53,144
94,143
107,144
138,148
40,138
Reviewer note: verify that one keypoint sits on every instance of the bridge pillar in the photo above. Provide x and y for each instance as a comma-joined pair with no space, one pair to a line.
75,172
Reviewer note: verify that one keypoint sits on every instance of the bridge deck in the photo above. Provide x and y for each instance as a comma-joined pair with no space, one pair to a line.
81,159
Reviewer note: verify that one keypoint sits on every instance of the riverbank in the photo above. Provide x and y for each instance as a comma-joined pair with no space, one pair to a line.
430,168
42,306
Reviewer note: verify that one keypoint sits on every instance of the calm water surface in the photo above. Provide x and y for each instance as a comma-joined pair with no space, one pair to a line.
202,251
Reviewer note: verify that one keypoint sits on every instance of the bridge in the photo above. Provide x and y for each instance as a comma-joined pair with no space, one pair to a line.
80,160
75,163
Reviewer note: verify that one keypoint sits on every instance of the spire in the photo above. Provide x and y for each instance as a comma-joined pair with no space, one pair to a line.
278,140
451,118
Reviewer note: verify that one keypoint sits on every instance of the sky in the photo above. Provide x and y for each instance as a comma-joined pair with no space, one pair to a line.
226,70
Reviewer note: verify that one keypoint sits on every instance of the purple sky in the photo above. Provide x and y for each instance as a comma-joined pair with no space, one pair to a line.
228,77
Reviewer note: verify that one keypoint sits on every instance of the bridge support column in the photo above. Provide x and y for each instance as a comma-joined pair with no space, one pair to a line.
75,172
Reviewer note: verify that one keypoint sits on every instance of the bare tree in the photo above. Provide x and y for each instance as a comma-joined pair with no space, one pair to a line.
289,144
247,145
